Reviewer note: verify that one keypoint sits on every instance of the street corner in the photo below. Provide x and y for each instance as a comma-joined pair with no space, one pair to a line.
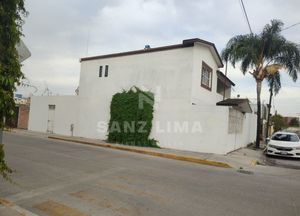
8,208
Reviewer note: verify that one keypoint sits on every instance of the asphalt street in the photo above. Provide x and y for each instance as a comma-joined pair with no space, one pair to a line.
60,178
286,162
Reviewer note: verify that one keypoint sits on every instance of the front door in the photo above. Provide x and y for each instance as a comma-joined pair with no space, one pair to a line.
51,117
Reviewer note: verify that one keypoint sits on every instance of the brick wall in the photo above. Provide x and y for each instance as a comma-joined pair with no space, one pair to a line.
23,116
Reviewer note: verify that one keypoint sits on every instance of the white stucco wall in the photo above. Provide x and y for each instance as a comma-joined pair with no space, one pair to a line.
248,135
166,73
212,137
66,113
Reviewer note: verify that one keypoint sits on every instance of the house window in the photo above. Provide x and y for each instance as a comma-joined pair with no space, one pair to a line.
100,71
235,121
206,76
106,71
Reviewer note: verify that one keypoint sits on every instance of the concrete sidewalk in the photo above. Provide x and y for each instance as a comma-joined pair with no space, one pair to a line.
244,158
8,208
6,211
28,133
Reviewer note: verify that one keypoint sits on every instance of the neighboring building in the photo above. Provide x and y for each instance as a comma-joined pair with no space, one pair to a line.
22,109
190,112
291,121
21,117
23,51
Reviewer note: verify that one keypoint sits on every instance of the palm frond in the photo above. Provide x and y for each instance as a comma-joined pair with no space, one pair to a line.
268,47
274,82
244,48
272,29
288,55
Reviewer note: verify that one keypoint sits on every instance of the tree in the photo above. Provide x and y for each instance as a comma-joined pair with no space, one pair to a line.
262,55
274,87
4,169
278,122
294,122
11,21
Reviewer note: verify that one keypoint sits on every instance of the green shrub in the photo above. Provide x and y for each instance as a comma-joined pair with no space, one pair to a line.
5,171
131,114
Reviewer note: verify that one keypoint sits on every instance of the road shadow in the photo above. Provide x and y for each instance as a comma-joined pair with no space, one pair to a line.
285,162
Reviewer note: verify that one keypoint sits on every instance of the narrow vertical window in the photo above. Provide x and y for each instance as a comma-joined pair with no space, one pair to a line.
106,71
100,71
206,76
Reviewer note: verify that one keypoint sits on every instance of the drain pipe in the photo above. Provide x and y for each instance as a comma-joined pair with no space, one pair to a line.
225,80
72,129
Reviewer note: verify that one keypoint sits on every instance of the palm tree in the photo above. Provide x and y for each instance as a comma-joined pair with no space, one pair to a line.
274,87
262,55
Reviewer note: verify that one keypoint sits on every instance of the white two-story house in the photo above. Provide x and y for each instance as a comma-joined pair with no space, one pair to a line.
193,109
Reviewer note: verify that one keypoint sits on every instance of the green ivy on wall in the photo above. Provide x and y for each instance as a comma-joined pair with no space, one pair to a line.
131,114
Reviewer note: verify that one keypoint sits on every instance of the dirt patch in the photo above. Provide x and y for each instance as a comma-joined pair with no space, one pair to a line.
52,208
133,191
5,202
104,203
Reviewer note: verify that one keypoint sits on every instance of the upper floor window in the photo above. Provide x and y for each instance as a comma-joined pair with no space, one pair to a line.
100,71
206,76
105,71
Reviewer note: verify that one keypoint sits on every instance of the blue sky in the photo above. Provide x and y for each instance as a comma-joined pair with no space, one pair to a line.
59,32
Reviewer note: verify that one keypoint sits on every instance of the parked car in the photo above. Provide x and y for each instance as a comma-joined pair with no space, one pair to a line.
284,144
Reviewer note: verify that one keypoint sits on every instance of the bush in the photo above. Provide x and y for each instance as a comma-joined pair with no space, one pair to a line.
278,122
131,114
4,169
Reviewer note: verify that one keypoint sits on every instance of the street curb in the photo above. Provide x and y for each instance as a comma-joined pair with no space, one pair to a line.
254,162
149,152
16,208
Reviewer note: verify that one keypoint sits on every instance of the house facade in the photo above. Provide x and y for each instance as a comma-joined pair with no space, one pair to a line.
187,85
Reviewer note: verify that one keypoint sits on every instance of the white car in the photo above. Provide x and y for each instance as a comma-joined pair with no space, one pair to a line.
284,144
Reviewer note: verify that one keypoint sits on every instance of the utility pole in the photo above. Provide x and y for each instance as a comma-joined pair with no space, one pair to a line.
246,16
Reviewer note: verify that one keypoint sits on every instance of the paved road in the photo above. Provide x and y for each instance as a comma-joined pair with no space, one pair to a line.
291,163
60,178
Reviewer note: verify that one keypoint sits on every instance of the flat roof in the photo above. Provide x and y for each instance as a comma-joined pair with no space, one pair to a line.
184,44
241,104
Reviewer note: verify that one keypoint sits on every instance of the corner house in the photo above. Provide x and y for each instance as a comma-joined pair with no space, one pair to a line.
193,107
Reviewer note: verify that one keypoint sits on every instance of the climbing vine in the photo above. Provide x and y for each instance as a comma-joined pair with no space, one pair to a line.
131,114
11,13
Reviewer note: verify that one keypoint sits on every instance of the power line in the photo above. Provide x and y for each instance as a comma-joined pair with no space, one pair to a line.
293,86
290,26
245,13
248,22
